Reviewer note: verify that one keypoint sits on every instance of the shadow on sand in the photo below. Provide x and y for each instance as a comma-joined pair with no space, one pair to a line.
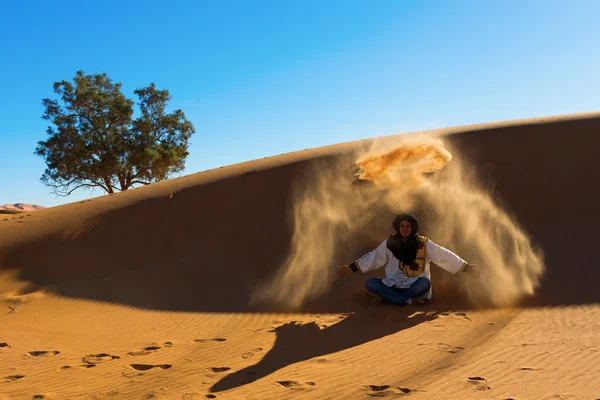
298,342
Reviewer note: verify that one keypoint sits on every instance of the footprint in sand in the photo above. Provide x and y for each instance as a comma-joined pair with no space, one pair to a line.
4,345
384,390
294,384
478,381
377,390
218,369
146,367
456,315
463,315
450,349
144,351
92,359
41,353
250,353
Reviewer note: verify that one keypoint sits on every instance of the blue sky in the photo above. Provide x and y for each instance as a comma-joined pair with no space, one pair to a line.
261,78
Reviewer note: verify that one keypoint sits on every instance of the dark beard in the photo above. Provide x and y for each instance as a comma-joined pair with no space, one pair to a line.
404,251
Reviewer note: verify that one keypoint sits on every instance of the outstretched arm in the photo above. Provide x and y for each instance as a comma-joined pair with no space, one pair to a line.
446,259
369,262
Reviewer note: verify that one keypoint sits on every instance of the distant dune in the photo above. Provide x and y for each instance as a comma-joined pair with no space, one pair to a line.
21,206
156,287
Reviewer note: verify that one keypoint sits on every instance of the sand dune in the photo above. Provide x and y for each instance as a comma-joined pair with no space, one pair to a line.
152,293
21,206
18,208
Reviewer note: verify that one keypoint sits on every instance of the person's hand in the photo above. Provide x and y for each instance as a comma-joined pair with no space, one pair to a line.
343,270
472,270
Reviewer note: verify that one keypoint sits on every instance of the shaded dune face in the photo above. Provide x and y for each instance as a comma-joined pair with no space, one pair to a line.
208,246
546,176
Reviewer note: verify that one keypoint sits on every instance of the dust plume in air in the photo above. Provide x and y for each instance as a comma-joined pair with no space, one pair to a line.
405,163
403,173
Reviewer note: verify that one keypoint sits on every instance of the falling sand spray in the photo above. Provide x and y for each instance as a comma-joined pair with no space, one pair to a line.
404,173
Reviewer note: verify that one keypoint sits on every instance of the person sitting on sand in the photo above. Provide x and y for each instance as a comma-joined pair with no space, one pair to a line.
406,256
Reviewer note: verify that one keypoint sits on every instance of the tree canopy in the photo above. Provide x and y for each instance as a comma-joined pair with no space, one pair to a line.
96,142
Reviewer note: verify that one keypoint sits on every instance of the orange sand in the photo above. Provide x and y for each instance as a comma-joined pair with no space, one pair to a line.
174,290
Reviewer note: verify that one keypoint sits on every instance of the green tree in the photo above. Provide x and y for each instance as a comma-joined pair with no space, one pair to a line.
95,142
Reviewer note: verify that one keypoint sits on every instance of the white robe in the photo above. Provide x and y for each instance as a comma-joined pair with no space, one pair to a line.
394,277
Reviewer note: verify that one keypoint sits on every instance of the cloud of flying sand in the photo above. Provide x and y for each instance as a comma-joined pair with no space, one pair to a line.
405,162
465,218
405,172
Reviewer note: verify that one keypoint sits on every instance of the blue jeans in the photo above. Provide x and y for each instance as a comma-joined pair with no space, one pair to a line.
397,295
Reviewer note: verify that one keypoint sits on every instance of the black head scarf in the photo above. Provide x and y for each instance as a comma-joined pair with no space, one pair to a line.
404,251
